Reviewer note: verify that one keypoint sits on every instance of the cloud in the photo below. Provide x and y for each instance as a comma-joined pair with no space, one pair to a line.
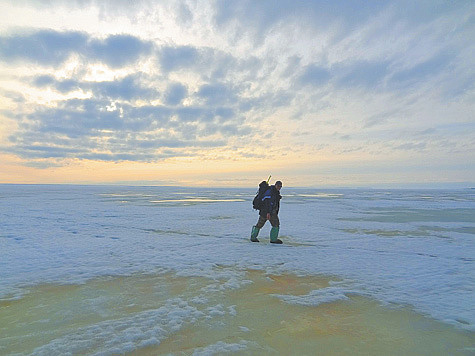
256,19
14,96
411,146
128,88
193,113
315,75
421,71
106,145
225,113
74,118
216,74
63,86
118,50
217,94
362,74
52,48
384,116
184,14
45,47
106,129
43,151
346,75
44,80
175,58
175,94
210,64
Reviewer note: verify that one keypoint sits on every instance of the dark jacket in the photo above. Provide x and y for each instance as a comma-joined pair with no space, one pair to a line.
271,202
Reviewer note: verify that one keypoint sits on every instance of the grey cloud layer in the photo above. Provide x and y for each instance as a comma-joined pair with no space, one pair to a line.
259,18
109,125
147,116
83,129
126,88
409,26
48,47
378,75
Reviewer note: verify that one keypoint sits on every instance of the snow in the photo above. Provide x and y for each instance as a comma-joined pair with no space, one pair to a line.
124,335
220,348
317,297
397,246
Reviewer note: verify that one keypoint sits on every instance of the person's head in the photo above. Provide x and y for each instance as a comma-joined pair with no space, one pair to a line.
278,185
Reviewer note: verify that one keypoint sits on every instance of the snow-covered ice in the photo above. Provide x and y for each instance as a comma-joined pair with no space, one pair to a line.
401,247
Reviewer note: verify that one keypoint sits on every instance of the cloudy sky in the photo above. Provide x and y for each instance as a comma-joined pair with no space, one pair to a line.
316,93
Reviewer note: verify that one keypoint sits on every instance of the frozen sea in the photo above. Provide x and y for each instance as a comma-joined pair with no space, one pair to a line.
117,269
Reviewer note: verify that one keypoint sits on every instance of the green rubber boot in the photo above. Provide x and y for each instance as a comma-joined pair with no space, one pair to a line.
254,233
274,232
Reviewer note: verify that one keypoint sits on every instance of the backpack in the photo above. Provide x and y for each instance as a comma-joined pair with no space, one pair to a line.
257,202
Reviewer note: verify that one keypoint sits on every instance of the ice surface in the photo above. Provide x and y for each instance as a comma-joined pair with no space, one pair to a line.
400,247
220,348
317,297
126,334
165,314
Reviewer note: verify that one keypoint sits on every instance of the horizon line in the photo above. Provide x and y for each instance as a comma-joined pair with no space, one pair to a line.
392,186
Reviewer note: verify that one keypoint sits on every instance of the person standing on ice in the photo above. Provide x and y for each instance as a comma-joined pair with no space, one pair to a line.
268,210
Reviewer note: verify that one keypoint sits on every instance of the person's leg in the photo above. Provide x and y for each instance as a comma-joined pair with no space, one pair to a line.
256,228
274,232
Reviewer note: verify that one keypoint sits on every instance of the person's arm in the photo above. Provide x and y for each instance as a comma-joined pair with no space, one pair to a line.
267,203
272,205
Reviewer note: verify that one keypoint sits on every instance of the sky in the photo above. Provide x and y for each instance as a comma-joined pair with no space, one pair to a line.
225,93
